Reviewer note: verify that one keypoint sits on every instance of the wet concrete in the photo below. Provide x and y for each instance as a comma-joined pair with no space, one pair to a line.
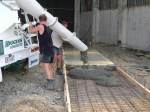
103,76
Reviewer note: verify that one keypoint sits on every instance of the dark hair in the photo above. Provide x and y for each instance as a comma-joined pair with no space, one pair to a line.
42,17
64,22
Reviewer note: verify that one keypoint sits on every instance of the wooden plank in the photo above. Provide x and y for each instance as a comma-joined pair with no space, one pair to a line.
134,82
66,91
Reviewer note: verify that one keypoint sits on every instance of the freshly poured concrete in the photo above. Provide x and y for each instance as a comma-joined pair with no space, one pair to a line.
87,94
72,57
99,75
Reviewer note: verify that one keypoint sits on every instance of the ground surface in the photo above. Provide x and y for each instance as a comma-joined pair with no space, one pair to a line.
86,96
25,92
137,64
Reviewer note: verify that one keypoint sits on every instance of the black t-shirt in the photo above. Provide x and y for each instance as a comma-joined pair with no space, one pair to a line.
45,41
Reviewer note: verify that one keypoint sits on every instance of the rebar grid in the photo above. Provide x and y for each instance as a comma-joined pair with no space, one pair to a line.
86,96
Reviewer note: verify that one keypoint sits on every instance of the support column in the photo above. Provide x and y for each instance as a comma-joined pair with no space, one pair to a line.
77,17
95,19
122,14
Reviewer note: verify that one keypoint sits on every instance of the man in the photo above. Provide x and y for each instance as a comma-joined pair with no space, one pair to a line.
46,49
58,55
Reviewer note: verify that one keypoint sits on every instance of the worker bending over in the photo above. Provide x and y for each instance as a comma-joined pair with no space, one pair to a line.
58,53
46,49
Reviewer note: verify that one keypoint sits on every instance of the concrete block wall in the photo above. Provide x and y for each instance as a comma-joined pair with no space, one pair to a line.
107,22
138,28
83,23
86,26
131,26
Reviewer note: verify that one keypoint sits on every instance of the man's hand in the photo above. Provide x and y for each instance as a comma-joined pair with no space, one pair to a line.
33,29
30,27
30,24
34,23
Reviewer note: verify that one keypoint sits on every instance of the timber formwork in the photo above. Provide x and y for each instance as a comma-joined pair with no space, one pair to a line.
87,96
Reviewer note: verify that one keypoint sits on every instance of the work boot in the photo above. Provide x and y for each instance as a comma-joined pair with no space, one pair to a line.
84,56
50,84
59,83
81,56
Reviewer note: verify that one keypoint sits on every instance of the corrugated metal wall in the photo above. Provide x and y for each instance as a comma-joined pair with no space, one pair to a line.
85,20
138,28
135,23
107,22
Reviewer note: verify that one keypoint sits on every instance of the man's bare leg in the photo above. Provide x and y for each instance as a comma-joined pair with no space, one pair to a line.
60,74
55,64
59,61
48,68
62,62
60,65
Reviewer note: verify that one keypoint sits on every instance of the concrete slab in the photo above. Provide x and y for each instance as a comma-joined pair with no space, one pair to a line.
72,57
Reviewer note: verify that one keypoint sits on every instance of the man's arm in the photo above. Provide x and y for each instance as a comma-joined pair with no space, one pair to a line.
37,29
33,29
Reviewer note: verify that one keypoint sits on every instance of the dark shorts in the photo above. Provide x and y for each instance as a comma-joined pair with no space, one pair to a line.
46,58
57,51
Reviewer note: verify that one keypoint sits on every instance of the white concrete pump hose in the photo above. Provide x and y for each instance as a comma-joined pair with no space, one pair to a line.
35,9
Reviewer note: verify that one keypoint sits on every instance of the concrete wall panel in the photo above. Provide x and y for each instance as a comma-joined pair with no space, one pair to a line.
108,27
86,26
138,28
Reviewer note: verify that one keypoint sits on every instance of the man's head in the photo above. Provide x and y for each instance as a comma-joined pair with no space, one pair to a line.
65,23
43,18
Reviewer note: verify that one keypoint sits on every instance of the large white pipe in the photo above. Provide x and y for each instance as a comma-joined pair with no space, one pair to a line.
35,9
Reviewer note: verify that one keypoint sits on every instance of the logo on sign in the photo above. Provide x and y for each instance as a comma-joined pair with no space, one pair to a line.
34,61
14,43
9,59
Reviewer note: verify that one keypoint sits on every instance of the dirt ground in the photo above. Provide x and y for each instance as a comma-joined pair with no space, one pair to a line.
25,92
136,63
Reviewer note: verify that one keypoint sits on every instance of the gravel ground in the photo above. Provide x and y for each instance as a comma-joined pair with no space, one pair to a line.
25,92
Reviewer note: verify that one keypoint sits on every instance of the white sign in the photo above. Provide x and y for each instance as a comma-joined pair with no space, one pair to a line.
33,60
1,79
10,59
13,45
